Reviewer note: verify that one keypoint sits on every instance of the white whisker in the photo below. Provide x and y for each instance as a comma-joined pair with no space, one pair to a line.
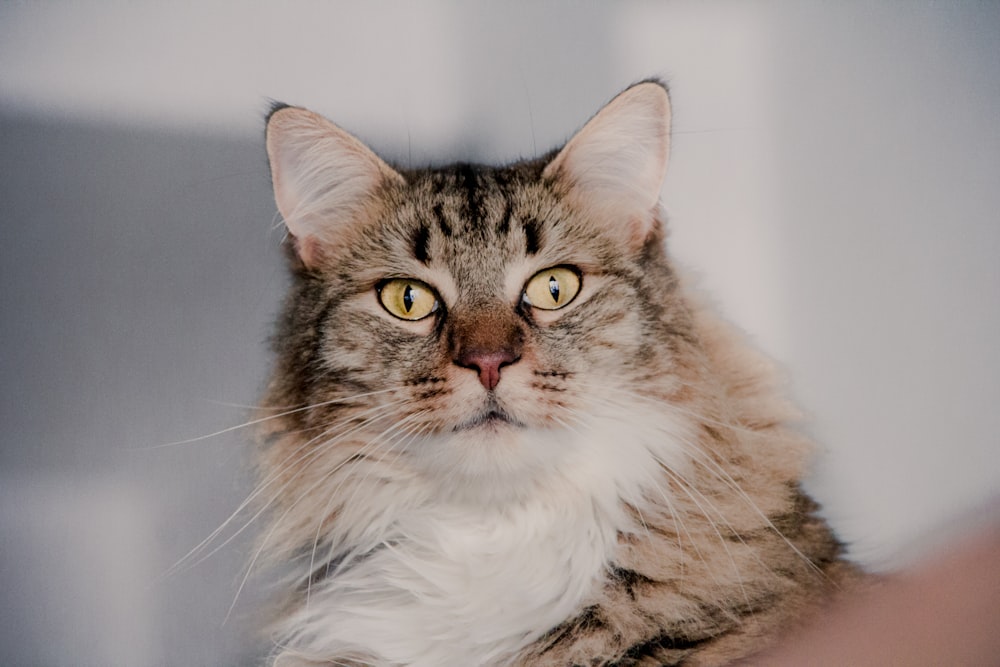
388,436
261,420
690,491
697,453
297,456
278,521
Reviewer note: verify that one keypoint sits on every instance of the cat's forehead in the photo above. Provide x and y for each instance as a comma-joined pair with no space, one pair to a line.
473,219
475,202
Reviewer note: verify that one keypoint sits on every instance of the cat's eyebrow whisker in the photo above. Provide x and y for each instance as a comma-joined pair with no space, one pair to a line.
261,420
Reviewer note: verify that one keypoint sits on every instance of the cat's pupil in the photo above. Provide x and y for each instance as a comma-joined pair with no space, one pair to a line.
408,298
554,288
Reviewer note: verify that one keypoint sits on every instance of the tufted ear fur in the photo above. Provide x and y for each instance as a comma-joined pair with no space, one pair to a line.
614,166
322,177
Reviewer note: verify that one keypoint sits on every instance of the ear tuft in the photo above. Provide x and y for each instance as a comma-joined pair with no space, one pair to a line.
322,177
614,166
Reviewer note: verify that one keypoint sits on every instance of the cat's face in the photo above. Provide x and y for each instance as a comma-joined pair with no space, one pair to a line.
475,309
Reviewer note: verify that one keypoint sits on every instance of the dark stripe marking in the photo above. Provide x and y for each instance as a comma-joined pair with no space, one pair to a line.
503,228
468,180
628,579
440,219
420,238
590,619
654,648
532,236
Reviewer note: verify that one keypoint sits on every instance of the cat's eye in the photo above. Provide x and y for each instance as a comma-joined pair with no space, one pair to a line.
553,288
407,299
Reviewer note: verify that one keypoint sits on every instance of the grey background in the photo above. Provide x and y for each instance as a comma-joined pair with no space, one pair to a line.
833,180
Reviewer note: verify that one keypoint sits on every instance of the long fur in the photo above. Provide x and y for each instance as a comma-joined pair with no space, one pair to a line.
627,494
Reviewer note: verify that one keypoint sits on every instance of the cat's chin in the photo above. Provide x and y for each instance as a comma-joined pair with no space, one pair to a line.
491,459
493,420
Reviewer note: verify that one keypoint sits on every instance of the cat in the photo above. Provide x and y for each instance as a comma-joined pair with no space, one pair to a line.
506,432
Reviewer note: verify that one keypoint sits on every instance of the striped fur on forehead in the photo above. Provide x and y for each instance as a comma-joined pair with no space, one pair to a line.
476,207
473,219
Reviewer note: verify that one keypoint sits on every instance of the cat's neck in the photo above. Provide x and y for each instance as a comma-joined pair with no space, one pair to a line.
445,571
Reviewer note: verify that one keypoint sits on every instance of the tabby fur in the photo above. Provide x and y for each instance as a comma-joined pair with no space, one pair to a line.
627,492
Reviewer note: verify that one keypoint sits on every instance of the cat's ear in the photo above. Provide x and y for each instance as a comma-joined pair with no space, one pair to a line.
614,167
323,178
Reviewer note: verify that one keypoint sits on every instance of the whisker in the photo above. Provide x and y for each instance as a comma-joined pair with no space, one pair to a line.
261,420
294,458
726,478
663,403
690,490
699,455
413,432
683,527
403,425
277,523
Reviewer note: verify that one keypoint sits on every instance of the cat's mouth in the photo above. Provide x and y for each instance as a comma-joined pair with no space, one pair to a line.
493,417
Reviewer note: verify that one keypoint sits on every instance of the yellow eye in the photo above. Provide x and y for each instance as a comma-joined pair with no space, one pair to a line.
407,299
553,288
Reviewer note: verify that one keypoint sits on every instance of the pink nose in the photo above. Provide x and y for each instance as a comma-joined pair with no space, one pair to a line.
487,363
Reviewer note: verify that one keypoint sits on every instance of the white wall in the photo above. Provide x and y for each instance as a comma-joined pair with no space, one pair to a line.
834,181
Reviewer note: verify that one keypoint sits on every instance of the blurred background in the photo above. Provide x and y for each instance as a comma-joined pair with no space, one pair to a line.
835,183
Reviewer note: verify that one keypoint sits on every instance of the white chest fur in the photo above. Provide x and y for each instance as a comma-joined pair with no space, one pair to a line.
460,587
453,583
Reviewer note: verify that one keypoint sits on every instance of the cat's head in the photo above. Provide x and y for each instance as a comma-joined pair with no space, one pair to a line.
466,314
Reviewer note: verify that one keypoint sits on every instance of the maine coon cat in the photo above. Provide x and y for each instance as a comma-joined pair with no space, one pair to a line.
507,434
